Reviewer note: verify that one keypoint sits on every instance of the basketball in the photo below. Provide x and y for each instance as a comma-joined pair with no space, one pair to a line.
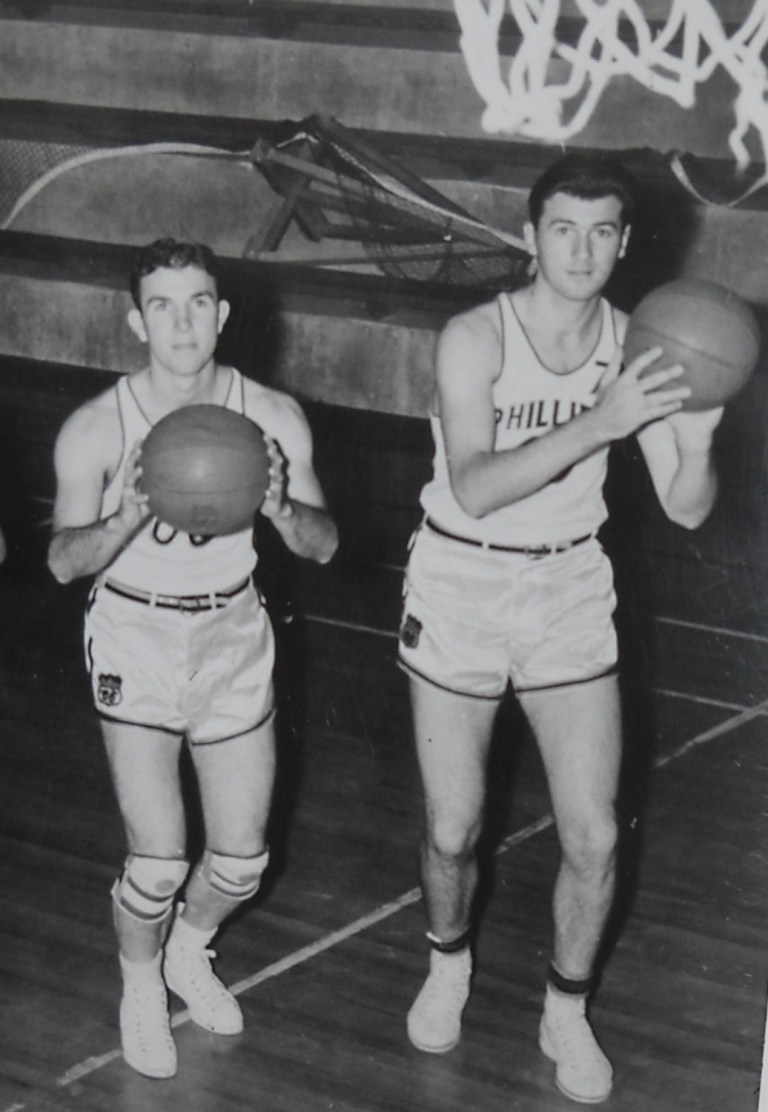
706,328
205,470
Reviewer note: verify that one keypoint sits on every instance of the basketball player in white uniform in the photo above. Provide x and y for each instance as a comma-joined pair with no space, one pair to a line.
507,584
179,647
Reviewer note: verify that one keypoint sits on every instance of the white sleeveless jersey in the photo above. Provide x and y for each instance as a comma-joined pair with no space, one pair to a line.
530,400
159,558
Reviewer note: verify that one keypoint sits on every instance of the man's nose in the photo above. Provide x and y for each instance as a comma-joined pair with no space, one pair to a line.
582,246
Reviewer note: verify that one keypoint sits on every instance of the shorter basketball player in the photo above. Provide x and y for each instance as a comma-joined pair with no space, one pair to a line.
507,583
179,647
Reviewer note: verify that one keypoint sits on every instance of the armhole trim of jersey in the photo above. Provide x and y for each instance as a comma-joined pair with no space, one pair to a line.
135,400
503,334
123,436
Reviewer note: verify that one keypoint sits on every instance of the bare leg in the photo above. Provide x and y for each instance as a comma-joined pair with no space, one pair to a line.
145,774
578,729
579,734
144,765
235,779
452,739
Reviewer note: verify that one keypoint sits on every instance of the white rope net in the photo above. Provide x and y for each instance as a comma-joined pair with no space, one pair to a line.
672,59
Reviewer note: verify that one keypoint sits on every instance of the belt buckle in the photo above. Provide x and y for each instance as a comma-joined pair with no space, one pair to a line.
193,604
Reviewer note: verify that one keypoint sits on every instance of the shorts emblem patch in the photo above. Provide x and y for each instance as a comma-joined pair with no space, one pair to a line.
410,631
109,690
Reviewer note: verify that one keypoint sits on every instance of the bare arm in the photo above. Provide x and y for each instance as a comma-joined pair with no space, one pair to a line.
83,543
483,480
294,502
678,452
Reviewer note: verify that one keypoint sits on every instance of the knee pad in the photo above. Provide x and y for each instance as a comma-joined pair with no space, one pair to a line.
238,878
147,885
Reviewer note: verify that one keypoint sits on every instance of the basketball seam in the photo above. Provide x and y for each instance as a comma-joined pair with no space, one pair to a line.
695,350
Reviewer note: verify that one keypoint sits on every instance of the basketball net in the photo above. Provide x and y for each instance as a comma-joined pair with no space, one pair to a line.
615,41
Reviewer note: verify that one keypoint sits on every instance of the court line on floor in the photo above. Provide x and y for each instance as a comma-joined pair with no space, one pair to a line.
661,619
355,627
385,911
359,627
702,700
298,957
725,727
669,693
762,638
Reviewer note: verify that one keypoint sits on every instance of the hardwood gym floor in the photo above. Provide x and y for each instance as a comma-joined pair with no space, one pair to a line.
328,958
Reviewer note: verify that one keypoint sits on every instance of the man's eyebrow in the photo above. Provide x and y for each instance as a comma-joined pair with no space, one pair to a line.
575,223
168,297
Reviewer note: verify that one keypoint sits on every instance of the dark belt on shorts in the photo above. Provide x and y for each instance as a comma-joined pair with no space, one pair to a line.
530,550
191,604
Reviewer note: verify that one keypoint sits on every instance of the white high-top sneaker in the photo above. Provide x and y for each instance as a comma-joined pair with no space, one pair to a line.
145,1029
582,1072
434,1021
189,974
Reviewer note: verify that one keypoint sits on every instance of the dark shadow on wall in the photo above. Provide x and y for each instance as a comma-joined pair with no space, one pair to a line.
253,336
662,234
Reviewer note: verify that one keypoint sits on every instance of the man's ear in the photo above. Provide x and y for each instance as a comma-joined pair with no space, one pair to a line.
136,324
223,314
529,235
624,241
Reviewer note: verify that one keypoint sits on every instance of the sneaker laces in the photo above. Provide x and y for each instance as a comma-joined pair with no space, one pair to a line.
199,975
145,1024
575,1037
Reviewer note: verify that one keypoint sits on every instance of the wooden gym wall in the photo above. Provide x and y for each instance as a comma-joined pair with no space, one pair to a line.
219,73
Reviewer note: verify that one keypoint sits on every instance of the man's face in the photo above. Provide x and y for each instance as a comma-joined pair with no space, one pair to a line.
577,243
180,318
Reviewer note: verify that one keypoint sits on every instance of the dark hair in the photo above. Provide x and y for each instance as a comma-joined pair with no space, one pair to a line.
588,177
171,253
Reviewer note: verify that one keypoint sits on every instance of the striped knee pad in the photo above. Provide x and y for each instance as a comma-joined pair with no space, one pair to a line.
147,885
238,878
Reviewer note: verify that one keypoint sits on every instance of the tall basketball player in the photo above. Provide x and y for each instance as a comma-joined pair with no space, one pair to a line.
507,584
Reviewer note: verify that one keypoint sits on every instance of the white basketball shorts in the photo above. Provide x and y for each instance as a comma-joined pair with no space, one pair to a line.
206,674
475,620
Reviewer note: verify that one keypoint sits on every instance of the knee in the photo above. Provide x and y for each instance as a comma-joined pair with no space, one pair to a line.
451,836
235,878
146,888
590,846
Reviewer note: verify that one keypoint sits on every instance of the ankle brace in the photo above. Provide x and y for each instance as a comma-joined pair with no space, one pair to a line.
569,986
451,947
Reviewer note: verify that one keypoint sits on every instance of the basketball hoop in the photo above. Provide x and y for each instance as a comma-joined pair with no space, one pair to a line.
615,41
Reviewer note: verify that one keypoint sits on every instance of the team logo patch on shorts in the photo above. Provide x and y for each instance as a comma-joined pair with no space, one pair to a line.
410,631
109,690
